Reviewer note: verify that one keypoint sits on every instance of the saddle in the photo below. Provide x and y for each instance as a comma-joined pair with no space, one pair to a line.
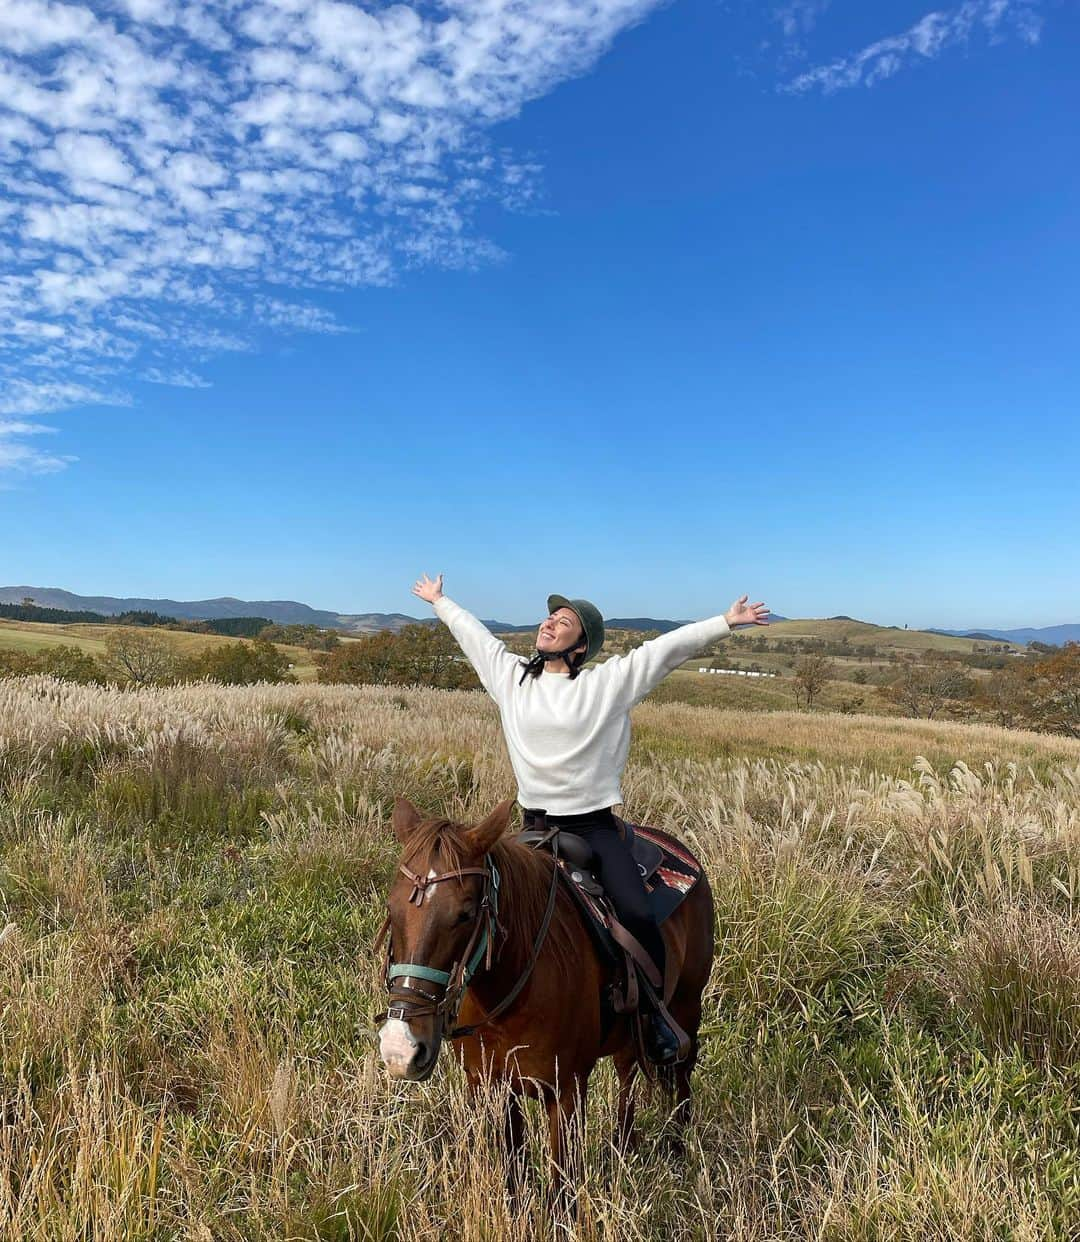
669,871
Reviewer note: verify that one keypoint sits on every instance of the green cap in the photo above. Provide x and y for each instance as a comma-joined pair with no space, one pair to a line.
589,616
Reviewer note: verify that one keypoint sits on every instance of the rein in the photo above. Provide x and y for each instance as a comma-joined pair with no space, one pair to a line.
404,1003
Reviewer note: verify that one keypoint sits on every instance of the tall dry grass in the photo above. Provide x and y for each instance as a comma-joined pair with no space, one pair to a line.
192,880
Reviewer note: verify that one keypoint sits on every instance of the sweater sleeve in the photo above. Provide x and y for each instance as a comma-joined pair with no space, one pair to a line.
489,656
644,668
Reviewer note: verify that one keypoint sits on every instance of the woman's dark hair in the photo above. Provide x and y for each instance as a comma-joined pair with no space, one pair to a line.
535,666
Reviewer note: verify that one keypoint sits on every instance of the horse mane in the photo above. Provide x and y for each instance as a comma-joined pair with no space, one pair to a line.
524,887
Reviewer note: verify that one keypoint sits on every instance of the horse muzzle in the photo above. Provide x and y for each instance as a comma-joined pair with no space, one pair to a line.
405,1056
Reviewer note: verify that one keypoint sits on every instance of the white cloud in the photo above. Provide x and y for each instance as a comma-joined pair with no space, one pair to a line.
87,156
928,38
798,17
26,458
177,379
29,397
295,317
17,458
164,162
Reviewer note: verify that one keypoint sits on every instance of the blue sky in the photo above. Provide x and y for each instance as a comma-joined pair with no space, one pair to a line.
651,303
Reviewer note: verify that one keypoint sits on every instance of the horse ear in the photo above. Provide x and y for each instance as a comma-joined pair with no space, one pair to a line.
481,838
406,817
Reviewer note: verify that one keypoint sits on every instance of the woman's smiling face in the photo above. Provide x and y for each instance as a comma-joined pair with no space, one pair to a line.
561,630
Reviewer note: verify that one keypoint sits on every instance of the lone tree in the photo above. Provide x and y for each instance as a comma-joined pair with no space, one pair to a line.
141,657
923,689
1054,685
1006,694
812,673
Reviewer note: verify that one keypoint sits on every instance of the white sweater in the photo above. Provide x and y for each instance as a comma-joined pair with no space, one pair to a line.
568,738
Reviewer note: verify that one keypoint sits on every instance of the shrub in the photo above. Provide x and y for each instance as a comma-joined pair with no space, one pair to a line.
66,663
418,655
243,664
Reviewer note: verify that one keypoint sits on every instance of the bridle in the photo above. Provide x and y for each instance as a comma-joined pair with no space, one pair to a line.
409,1002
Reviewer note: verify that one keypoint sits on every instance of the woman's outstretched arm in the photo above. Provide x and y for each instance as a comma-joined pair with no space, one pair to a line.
493,663
644,668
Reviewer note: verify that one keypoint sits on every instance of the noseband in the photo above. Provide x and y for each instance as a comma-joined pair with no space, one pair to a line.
409,1001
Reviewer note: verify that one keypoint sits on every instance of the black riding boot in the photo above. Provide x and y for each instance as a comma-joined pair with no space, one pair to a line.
661,1042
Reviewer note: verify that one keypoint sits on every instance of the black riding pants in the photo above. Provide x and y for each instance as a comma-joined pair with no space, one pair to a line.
618,873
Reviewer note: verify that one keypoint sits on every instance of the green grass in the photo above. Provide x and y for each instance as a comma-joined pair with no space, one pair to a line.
191,882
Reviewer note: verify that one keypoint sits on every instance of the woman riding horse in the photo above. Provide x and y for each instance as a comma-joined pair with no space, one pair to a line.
567,728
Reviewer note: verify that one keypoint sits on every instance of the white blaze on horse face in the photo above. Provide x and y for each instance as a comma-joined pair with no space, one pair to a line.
430,888
397,1046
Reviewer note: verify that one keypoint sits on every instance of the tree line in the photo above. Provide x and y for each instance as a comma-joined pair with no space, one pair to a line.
1040,692
138,657
296,635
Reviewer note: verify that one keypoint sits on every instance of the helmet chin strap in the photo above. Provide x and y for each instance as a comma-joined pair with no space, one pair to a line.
548,656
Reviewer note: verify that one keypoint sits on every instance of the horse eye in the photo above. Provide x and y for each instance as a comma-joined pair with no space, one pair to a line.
466,916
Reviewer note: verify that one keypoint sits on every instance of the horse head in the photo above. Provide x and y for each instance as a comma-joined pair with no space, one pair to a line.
441,926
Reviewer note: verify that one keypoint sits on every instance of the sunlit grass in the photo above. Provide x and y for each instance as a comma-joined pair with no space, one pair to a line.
192,881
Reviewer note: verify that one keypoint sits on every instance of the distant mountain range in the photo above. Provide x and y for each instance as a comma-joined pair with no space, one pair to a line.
1052,635
283,611
290,612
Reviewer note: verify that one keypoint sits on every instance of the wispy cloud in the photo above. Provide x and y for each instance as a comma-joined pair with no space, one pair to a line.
797,18
168,163
177,379
16,456
19,396
928,38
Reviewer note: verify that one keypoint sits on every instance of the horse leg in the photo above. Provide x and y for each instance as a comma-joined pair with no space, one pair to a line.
562,1104
514,1144
626,1067
688,1016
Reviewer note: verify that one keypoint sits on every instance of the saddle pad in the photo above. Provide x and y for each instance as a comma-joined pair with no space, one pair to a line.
676,876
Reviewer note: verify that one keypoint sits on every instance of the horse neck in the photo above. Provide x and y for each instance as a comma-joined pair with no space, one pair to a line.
525,885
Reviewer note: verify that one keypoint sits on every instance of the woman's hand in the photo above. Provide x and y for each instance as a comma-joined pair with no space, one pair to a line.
742,613
432,590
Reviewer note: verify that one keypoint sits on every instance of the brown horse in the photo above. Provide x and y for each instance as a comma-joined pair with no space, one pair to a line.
526,975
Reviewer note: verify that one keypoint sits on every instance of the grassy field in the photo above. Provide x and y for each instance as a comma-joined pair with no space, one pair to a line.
687,685
192,879
37,636
885,638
